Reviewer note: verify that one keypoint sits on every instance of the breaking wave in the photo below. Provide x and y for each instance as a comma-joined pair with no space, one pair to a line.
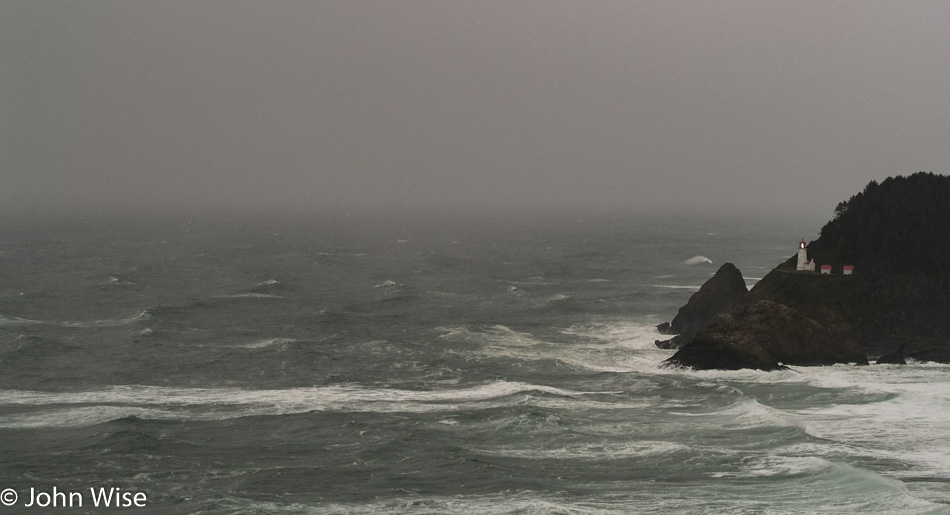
131,319
155,402
696,260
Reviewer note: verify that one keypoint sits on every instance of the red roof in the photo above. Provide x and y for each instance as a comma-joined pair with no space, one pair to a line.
826,267
849,267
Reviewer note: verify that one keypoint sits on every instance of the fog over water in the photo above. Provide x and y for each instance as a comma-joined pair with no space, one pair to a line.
241,269
784,107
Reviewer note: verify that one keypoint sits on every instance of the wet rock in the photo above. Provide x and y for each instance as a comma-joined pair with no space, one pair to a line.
716,296
766,335
894,358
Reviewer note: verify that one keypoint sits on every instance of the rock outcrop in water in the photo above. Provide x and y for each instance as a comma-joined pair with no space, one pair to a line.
894,358
766,335
897,235
716,296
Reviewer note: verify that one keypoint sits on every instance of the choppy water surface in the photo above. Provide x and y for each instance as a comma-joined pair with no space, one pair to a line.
356,364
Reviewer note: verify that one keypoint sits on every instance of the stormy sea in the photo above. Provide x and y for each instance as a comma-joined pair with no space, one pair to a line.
427,364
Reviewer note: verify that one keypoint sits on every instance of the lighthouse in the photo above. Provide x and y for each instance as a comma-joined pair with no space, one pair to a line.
803,262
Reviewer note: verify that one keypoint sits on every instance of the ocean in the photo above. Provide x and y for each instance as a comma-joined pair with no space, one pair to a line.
384,363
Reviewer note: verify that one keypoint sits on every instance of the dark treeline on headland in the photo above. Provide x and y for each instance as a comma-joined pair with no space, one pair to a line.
896,304
900,226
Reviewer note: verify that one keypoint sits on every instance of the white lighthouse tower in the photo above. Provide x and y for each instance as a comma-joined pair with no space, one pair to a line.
803,262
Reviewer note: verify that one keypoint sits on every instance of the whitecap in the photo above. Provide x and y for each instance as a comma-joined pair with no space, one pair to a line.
387,284
65,409
907,424
8,320
772,466
113,280
457,504
249,295
142,315
79,416
269,342
588,450
695,260
749,413
131,319
604,347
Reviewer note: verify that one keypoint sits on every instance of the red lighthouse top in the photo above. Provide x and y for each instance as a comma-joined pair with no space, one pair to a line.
801,244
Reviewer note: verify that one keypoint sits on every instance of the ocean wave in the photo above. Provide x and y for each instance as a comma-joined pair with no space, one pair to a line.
82,416
750,413
32,346
696,260
9,320
115,281
851,413
588,451
155,402
773,466
493,335
524,503
605,347
557,302
815,481
249,295
843,495
623,334
131,319
908,410
269,342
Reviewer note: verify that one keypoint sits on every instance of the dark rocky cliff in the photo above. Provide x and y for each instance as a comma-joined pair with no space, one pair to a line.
897,235
720,292
766,335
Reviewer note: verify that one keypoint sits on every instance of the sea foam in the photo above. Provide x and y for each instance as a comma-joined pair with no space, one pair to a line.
96,406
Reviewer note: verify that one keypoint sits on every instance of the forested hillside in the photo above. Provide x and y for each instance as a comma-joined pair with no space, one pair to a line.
900,226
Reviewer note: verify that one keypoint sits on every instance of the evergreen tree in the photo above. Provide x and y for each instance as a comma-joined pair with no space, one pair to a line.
900,226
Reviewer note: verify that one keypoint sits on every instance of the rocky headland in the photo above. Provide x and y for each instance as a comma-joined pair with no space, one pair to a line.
895,306
716,296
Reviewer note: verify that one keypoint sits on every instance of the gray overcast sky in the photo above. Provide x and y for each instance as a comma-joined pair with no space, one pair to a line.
705,105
